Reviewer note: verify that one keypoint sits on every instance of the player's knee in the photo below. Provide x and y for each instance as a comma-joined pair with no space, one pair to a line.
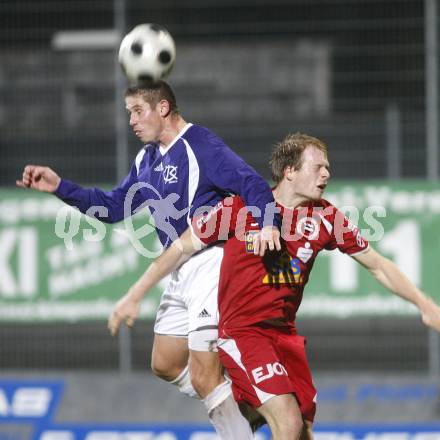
159,369
200,381
204,379
288,428
169,357
162,369
284,417
293,427
297,429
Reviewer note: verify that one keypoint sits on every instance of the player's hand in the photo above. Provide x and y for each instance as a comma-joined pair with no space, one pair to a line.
39,178
431,314
126,309
267,238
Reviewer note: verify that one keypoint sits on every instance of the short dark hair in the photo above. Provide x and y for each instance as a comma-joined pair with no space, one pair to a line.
288,153
154,93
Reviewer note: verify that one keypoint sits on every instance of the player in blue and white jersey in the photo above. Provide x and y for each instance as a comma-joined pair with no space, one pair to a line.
181,168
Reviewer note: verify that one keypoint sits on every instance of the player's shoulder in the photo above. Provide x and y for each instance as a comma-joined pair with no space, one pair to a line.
200,137
325,209
234,202
323,203
198,130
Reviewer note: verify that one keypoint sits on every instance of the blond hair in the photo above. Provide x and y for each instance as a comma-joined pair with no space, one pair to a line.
288,153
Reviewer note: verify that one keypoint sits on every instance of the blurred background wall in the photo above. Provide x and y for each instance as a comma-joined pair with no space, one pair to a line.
359,74
349,71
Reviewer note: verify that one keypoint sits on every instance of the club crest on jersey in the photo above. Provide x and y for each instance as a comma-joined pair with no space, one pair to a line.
170,174
285,270
308,227
249,241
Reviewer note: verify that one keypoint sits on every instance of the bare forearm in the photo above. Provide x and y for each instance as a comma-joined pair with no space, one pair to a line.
179,252
166,263
391,277
128,307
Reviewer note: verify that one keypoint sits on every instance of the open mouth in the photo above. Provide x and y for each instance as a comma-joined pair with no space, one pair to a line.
322,186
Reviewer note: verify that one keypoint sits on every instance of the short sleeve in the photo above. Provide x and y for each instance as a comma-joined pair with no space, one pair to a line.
220,221
346,236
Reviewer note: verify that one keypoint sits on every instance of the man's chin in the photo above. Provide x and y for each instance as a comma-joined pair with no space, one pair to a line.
317,196
146,140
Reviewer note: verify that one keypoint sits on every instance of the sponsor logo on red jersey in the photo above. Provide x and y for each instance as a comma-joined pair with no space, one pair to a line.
267,371
285,270
249,241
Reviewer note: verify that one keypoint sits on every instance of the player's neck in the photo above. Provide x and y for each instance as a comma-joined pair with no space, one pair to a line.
173,126
286,196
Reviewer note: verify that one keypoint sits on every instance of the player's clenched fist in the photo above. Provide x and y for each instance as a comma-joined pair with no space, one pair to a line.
39,178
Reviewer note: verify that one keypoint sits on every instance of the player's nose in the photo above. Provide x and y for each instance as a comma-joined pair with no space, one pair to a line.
132,120
325,173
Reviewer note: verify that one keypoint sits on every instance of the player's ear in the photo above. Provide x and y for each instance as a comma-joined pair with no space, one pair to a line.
164,108
289,173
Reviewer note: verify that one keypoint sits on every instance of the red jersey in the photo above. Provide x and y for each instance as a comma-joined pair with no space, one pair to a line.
253,288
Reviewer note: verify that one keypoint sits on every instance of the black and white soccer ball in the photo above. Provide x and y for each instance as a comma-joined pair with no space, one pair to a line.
147,54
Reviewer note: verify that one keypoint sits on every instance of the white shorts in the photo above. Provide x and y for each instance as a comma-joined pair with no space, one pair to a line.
188,307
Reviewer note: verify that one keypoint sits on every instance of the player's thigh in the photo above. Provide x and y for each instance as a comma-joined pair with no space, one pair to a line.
200,294
170,348
255,366
294,358
169,356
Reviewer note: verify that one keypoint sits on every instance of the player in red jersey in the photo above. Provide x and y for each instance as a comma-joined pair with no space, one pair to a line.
249,283
259,297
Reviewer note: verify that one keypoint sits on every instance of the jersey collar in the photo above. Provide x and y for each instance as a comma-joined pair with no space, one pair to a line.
164,150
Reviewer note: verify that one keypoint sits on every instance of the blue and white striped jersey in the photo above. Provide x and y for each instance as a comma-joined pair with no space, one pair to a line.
197,169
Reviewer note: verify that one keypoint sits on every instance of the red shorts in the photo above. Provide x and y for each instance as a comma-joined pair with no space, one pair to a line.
268,361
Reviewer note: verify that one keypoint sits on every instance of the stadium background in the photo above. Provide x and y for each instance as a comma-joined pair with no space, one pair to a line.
360,74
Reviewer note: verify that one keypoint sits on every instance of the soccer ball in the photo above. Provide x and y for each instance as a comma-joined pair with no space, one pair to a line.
147,54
